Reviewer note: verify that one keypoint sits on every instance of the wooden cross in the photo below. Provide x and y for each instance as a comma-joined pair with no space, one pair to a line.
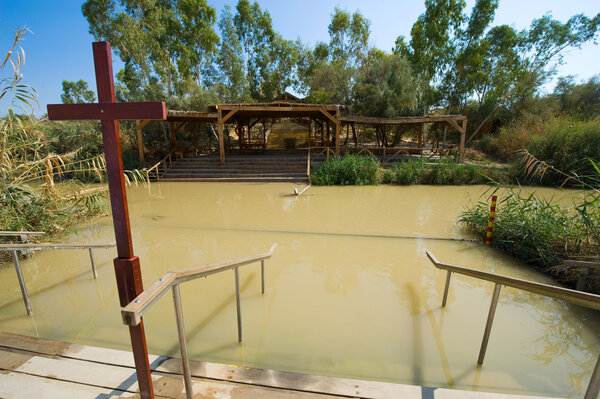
109,112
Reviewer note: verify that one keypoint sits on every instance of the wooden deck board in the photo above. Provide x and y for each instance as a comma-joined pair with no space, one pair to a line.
37,368
23,386
32,344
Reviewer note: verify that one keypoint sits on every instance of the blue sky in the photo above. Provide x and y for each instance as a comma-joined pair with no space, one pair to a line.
59,45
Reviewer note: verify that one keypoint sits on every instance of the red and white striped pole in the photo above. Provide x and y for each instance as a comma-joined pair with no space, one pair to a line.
488,236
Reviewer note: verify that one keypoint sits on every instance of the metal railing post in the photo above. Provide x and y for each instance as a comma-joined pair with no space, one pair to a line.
237,301
262,275
488,324
187,378
446,288
93,263
21,282
594,385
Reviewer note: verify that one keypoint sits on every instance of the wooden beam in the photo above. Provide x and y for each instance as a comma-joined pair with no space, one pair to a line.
329,116
178,127
107,111
229,115
368,120
453,123
288,109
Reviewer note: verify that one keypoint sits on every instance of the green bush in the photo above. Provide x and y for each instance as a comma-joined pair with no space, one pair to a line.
349,170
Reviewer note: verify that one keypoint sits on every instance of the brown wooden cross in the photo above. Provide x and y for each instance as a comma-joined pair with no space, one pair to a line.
127,266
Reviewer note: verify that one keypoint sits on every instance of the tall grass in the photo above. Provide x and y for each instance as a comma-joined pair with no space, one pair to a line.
542,232
568,145
29,168
348,170
444,171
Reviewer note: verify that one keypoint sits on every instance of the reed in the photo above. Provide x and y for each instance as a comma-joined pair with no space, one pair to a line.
542,232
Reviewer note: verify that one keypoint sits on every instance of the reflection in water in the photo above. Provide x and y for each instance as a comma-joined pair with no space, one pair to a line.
345,294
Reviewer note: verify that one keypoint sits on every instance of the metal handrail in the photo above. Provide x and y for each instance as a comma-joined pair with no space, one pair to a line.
22,233
161,162
133,311
576,297
42,246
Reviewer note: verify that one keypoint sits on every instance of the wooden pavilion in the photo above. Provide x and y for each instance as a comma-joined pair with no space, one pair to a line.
246,115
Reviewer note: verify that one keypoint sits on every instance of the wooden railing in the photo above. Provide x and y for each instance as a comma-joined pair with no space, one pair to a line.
37,247
133,311
162,162
324,150
576,297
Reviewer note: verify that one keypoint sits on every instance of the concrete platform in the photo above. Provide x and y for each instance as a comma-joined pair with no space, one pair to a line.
39,368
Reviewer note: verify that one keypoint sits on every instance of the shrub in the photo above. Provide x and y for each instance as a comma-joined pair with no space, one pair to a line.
512,138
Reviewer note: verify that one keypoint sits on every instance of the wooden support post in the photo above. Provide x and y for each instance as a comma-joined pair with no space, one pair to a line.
221,139
338,131
488,324
140,139
420,136
172,126
461,148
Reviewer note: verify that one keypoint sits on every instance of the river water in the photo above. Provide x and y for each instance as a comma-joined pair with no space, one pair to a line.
346,295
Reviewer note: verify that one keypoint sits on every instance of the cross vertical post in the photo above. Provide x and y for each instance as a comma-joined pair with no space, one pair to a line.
127,265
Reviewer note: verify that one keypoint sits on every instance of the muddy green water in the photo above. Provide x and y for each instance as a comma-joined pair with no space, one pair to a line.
341,299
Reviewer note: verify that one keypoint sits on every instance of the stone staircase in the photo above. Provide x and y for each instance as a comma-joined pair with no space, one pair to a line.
276,167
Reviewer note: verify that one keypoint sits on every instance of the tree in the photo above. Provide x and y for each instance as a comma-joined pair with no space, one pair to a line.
232,84
329,72
431,44
330,84
539,49
270,61
170,39
579,100
385,86
76,92
349,37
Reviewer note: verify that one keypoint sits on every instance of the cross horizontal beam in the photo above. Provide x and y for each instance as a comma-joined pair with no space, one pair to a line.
107,111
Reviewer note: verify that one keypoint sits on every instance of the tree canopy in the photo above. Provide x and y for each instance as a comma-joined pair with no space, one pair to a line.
455,58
